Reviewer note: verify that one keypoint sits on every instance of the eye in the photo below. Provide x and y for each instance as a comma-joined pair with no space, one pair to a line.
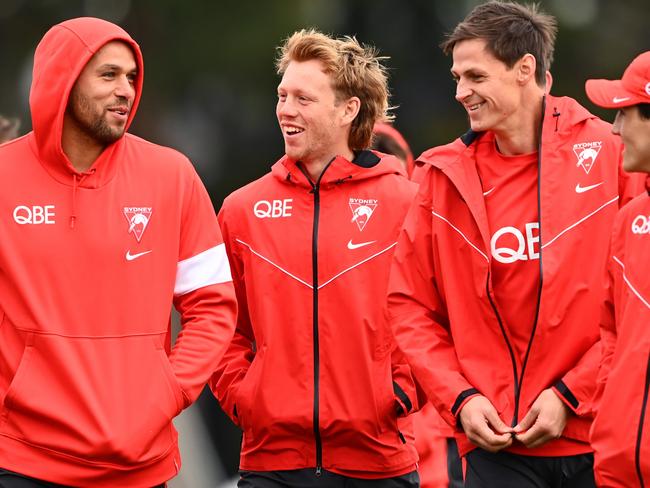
303,100
108,75
282,97
131,77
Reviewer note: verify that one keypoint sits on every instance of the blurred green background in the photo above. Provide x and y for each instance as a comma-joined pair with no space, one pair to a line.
210,89
210,80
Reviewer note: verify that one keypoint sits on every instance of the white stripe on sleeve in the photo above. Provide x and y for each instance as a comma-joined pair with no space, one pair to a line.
207,268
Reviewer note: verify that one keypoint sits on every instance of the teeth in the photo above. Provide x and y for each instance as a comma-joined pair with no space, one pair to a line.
292,130
475,106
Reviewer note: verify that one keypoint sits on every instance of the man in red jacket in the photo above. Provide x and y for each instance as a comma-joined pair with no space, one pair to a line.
496,281
101,232
619,434
312,376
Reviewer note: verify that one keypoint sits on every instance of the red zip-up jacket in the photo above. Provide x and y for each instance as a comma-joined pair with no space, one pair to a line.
89,266
309,376
620,433
441,304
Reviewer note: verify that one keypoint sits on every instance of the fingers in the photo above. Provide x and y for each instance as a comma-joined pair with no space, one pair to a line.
544,422
483,426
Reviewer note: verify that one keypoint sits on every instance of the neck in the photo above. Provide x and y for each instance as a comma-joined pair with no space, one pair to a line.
81,149
315,167
522,136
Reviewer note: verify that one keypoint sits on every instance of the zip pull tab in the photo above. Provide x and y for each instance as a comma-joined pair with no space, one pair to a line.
319,471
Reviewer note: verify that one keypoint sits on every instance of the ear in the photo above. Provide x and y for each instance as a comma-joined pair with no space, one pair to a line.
350,110
526,68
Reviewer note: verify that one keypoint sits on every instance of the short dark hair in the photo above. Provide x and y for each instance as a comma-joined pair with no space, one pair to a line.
644,110
510,31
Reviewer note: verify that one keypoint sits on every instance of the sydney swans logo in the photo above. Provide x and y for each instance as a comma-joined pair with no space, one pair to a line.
138,219
362,210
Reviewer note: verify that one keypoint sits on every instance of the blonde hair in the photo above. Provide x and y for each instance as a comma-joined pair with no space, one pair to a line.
356,71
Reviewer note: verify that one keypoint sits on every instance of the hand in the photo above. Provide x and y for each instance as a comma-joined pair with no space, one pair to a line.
544,422
483,426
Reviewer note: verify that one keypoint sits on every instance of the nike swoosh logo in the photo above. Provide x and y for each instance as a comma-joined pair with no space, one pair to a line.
131,257
582,189
486,193
620,100
357,246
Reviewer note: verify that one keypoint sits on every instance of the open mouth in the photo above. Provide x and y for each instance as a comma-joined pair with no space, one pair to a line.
290,130
474,107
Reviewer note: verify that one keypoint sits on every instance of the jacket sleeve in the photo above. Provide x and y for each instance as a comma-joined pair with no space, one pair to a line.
240,353
203,294
578,388
409,395
418,316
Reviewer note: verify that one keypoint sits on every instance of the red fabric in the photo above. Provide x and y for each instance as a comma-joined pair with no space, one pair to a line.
88,382
440,288
509,185
268,389
431,434
623,378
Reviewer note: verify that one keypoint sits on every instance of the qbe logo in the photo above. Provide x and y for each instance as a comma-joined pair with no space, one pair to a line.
641,225
273,209
34,215
514,245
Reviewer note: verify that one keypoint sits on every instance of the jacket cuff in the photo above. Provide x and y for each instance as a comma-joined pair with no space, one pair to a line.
568,398
460,402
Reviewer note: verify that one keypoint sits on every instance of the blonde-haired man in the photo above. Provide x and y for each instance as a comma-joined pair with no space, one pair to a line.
311,376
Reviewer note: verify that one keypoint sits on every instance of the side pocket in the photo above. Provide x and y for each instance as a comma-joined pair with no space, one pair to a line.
19,375
174,388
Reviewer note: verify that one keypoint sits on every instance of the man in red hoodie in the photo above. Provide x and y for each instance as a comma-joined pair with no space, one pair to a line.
619,434
312,376
496,281
102,232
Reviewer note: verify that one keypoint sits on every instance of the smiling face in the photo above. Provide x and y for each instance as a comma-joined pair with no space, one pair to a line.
490,92
315,125
635,133
101,99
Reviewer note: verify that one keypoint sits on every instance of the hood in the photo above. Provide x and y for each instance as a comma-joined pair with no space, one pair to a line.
366,164
58,61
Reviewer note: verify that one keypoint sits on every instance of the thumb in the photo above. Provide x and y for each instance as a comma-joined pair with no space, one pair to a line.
527,422
495,421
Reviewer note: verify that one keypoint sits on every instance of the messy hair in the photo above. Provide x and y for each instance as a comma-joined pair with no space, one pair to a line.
510,31
356,71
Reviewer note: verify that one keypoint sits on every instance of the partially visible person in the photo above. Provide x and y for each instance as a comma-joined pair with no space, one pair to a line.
497,276
388,140
439,465
101,233
620,433
8,128
313,376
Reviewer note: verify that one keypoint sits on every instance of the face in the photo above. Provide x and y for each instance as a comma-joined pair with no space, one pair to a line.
313,123
102,97
490,92
635,133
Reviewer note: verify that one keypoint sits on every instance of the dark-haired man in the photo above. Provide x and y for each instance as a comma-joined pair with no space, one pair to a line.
496,282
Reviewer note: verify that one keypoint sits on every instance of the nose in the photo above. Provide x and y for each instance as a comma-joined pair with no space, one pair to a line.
462,91
286,107
125,88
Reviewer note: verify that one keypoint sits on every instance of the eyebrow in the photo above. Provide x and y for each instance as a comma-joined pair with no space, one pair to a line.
115,67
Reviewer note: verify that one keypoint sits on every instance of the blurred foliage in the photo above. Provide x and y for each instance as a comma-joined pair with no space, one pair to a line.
210,78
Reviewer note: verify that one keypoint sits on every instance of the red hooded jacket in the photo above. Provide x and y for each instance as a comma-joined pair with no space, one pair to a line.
441,304
309,376
620,433
89,265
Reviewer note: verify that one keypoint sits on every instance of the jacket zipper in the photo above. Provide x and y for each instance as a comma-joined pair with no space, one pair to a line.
519,379
515,419
315,189
637,453
510,348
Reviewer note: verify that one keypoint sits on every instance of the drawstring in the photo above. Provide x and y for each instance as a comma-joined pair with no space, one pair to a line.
76,181
556,114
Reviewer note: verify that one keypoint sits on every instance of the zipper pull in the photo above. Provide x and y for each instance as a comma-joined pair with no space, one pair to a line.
318,471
